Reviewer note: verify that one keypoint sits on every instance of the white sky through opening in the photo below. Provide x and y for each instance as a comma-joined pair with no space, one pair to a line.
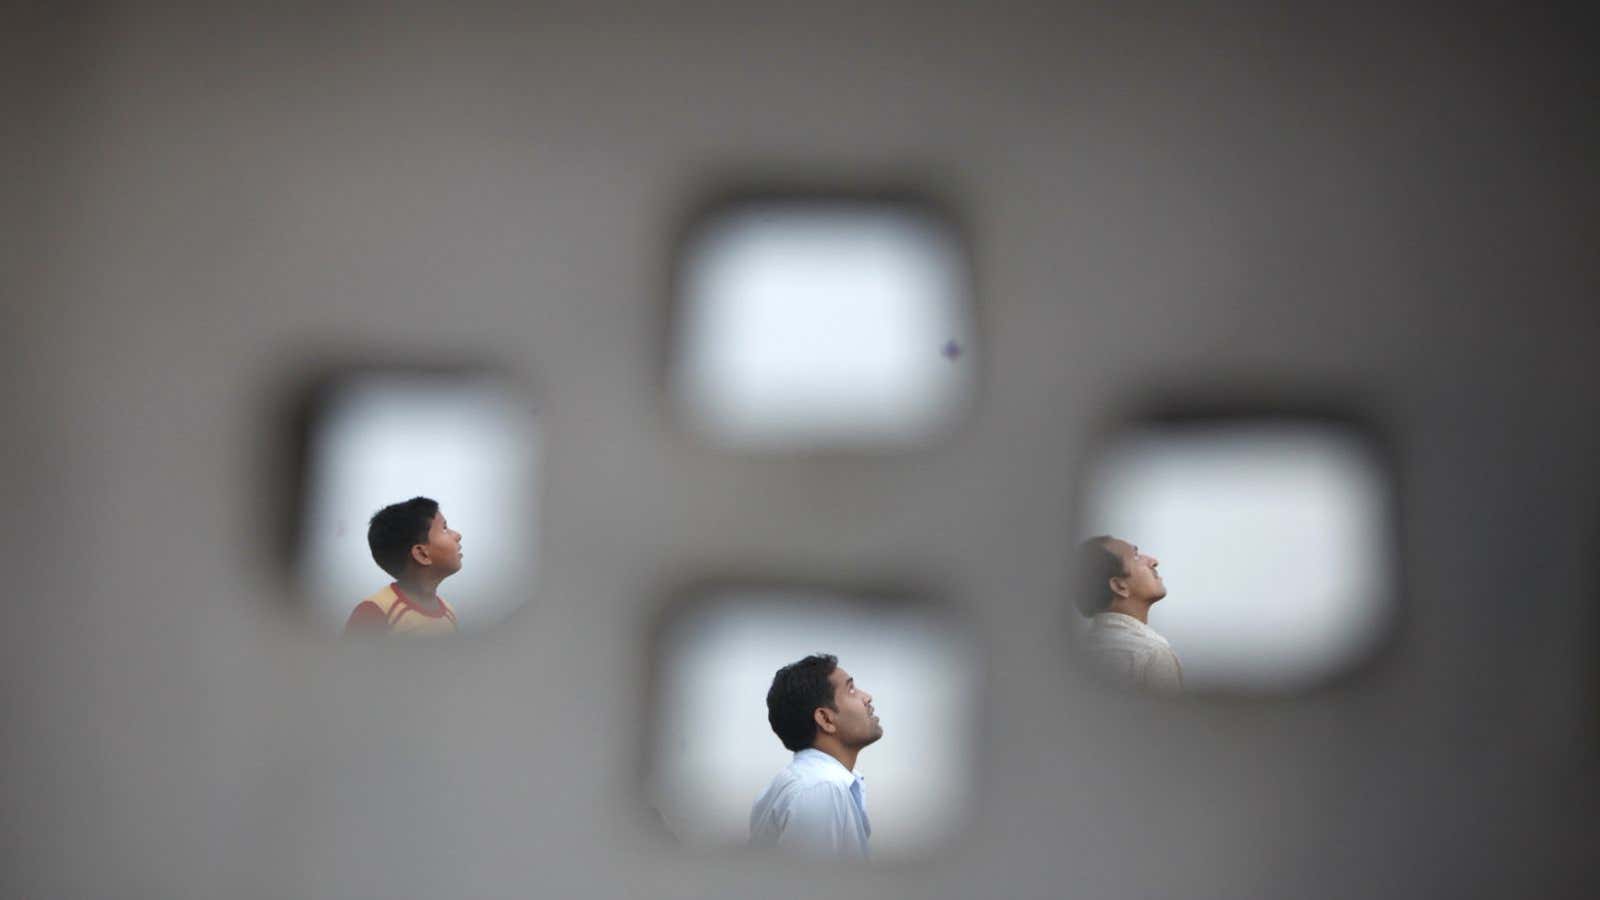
805,325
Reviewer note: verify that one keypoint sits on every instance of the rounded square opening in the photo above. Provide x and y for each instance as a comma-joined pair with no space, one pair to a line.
466,440
1272,544
814,322
713,755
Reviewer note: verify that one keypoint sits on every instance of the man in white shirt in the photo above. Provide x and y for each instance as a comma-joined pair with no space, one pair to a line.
817,804
1121,584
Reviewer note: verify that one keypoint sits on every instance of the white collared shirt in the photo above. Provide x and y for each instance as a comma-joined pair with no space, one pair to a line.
816,806
1130,653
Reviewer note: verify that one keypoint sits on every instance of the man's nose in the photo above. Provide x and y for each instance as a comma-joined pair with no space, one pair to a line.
1154,562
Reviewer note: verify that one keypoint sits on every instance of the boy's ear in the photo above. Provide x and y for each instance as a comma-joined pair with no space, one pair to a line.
419,555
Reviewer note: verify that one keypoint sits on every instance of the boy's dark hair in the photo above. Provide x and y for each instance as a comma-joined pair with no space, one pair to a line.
797,690
1096,566
398,527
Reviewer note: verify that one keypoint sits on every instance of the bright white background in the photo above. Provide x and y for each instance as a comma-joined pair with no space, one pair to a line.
468,442
1274,542
808,326
714,752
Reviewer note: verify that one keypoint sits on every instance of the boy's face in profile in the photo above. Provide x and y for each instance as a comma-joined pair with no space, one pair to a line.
442,552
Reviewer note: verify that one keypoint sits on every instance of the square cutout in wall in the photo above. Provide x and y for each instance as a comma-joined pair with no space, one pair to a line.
467,440
712,752
1274,538
816,324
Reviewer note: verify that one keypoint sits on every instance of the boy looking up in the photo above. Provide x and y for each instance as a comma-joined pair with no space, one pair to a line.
414,544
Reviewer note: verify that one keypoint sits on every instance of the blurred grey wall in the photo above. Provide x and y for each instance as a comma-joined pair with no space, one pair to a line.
203,206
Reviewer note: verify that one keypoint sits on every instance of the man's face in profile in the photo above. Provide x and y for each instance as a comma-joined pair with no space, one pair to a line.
858,725
1142,580
443,546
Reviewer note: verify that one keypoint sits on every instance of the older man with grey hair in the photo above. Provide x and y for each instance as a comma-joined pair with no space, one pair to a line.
1120,586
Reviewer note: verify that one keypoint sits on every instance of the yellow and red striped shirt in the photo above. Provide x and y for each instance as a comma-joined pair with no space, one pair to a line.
390,611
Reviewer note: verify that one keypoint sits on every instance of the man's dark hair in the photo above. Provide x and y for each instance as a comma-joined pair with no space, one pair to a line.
1097,565
398,527
797,690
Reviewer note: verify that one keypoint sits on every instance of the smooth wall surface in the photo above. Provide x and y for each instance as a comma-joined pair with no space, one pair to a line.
202,205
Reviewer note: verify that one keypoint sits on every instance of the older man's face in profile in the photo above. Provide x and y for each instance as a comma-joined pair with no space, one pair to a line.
1143,581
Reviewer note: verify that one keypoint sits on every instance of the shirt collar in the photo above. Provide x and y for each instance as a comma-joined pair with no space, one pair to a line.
436,611
1110,619
828,767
